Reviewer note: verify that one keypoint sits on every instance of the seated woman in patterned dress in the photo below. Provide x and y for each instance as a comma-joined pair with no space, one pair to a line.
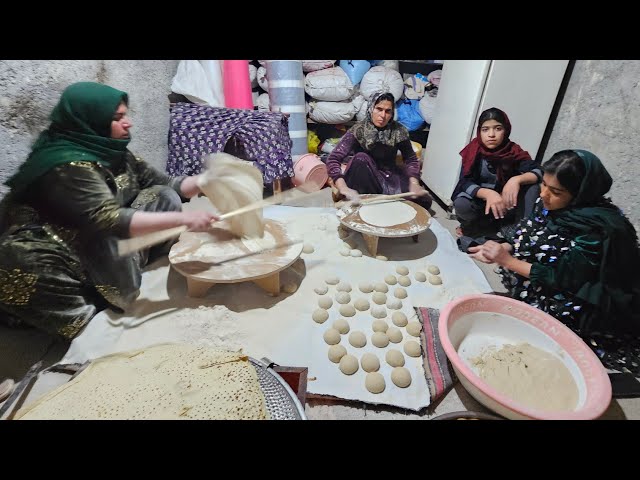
78,192
577,258
374,143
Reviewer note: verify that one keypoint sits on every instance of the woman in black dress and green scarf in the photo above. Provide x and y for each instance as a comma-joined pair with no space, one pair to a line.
577,258
78,192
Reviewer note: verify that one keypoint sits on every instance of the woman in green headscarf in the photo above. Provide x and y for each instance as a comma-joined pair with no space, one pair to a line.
78,192
577,258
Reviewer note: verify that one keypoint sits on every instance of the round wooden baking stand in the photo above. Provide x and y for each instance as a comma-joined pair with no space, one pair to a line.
350,218
235,263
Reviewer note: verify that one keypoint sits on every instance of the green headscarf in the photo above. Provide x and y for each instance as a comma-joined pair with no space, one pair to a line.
80,130
616,292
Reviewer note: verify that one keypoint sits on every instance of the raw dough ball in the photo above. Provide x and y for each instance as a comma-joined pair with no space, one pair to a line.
435,280
356,253
357,339
381,287
336,352
399,319
374,382
321,290
361,304
413,328
345,252
343,297
343,287
379,326
380,339
325,302
370,362
401,377
394,358
394,304
400,292
365,287
394,334
404,281
332,280
379,298
420,276
290,288
341,325
331,336
402,270
347,310
349,365
391,279
412,348
308,248
433,270
320,315
381,257
378,311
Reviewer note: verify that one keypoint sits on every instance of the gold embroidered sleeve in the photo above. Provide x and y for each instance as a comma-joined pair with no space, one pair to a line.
148,176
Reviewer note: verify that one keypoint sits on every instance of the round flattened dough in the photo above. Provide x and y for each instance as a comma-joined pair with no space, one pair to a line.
391,279
420,276
395,358
357,339
380,339
402,270
412,348
320,315
336,352
361,304
394,334
343,297
379,298
394,304
413,328
325,302
374,382
370,362
399,319
332,280
343,287
321,290
379,326
345,252
378,311
381,287
289,288
331,336
365,287
435,280
404,280
341,325
400,292
382,258
401,377
308,248
356,253
387,214
347,310
433,270
349,365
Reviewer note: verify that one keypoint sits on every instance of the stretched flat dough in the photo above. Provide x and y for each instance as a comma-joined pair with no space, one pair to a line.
387,214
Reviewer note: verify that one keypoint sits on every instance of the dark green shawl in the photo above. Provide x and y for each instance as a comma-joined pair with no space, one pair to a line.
616,292
80,130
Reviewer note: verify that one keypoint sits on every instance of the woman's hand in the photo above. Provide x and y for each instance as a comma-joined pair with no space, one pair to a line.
417,190
494,204
189,186
491,252
198,221
350,194
510,192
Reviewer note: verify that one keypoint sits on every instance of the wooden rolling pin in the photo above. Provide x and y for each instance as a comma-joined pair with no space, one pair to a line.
376,199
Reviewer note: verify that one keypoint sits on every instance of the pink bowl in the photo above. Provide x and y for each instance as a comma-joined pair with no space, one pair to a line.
310,173
463,328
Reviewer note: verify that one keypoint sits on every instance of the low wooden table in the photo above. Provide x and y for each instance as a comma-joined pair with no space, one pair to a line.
349,218
229,260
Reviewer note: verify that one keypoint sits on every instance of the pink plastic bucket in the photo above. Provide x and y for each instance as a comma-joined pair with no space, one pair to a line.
310,173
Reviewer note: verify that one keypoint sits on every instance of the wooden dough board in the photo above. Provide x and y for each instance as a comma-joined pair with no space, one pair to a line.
350,218
231,261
